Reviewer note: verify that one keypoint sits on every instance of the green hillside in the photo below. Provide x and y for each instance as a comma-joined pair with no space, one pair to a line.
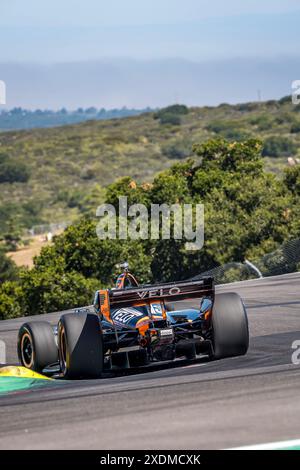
51,175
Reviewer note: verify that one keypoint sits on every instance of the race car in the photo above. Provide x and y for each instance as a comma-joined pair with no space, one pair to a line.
132,326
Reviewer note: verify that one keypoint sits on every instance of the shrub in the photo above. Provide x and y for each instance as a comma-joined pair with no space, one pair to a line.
171,119
232,130
295,128
251,106
292,179
176,150
10,300
285,99
171,115
263,122
277,146
53,289
13,172
8,269
176,109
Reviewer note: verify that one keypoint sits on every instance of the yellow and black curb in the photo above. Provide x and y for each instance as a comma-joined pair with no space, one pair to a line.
15,378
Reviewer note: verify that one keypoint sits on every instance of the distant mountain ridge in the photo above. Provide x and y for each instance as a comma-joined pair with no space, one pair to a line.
19,118
113,83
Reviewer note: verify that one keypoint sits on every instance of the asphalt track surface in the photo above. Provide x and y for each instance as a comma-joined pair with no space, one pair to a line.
202,405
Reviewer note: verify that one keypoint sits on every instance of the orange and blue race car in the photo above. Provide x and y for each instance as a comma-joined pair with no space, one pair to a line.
134,325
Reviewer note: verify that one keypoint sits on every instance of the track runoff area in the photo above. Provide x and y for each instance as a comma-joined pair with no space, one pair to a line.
248,403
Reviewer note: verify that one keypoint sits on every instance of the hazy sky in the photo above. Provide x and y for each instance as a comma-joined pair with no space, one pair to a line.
68,30
120,51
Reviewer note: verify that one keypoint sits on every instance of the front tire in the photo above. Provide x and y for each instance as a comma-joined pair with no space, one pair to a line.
229,326
80,346
36,345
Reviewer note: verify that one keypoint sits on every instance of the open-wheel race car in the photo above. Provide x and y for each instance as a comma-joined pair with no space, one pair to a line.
135,325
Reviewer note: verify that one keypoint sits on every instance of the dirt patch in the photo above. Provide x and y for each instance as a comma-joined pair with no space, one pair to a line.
24,256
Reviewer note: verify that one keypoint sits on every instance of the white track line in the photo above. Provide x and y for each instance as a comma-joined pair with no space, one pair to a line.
271,445
262,279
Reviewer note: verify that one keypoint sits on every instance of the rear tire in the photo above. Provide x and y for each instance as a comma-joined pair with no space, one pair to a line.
229,326
80,345
36,345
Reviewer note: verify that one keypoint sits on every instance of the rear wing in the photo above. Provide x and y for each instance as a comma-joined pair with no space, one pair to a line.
173,291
